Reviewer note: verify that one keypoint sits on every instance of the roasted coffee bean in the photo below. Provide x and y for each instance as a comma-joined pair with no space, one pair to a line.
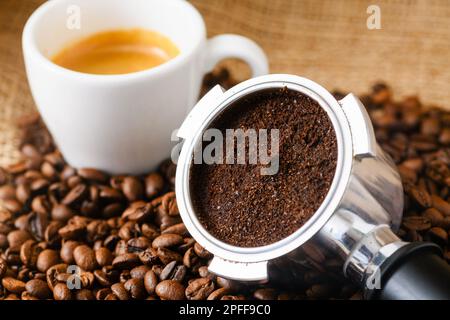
103,256
67,249
136,288
102,293
21,223
124,276
75,195
119,290
199,289
116,182
150,281
49,171
204,273
218,294
188,242
3,268
53,273
38,288
139,212
27,296
51,234
97,230
167,240
121,248
7,192
139,272
84,294
138,244
416,223
5,216
201,252
39,185
169,204
422,197
157,269
179,273
149,231
128,230
13,285
72,231
111,296
436,217
12,205
107,193
40,204
441,205
18,237
190,258
38,223
154,184
93,175
85,257
381,93
29,252
102,278
168,169
132,188
170,290
62,292
149,256
46,259
74,181
178,228
126,261
166,256
167,271
110,242
12,257
62,213
86,279
111,210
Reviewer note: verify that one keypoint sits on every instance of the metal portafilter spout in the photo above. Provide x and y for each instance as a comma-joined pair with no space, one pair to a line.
354,225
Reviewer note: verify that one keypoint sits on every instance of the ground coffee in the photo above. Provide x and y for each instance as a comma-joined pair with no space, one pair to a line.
237,204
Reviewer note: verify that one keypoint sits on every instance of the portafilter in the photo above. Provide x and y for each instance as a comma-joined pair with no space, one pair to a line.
356,223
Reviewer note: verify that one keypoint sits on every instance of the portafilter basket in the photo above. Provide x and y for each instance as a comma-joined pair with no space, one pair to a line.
355,224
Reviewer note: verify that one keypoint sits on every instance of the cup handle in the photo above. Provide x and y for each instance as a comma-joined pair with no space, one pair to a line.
236,46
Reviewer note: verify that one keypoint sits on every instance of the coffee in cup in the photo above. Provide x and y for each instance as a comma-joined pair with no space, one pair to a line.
117,52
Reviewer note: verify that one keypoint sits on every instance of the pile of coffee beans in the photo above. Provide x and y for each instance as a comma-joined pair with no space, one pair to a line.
85,235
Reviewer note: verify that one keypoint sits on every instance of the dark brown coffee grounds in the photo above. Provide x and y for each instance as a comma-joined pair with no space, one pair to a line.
237,204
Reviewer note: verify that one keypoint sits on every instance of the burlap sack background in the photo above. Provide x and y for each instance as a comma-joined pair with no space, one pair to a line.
327,41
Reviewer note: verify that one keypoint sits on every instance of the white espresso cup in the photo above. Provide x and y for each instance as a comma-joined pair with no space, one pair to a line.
122,123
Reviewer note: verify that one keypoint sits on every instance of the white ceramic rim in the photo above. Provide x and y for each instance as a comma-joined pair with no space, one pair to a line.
30,46
327,208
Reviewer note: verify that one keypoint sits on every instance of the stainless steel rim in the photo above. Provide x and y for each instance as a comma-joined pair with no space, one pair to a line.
315,223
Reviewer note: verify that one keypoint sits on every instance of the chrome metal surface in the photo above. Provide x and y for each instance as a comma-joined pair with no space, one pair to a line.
352,224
